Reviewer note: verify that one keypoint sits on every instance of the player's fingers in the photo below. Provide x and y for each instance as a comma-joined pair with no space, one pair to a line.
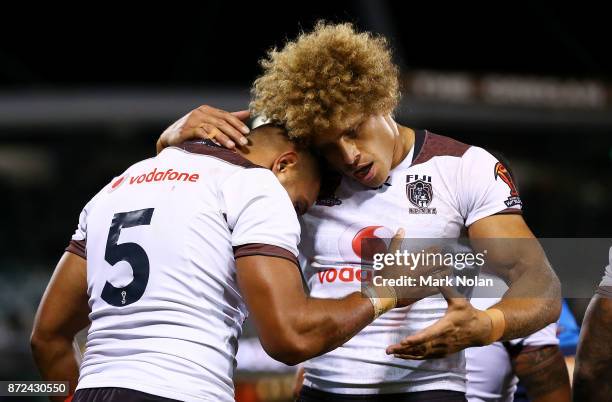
408,357
235,121
200,132
195,119
243,115
229,132
231,125
432,354
213,133
425,350
438,329
396,241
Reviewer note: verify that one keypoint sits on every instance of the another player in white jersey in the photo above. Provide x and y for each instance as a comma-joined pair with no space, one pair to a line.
338,88
494,370
593,369
164,262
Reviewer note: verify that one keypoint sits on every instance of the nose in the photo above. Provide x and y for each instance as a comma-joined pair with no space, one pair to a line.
348,151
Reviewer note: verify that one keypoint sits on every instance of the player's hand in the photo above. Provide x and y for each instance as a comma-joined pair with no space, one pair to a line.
406,294
227,129
462,326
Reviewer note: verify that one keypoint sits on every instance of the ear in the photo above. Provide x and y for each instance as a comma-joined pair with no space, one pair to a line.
284,161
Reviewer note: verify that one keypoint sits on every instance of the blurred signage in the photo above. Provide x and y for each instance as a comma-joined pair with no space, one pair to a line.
508,90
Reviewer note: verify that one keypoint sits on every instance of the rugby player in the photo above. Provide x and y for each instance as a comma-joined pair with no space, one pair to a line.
593,371
164,262
338,88
494,370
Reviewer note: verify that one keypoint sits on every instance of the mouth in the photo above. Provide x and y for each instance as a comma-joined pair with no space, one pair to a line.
365,172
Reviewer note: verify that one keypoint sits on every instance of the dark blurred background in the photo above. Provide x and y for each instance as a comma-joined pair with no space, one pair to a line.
85,91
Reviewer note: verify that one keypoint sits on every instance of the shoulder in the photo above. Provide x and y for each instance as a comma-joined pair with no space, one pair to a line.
429,145
433,145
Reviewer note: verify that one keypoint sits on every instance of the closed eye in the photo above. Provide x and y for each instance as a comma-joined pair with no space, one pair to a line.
351,134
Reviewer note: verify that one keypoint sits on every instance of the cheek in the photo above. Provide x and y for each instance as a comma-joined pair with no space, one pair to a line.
387,145
334,159
379,149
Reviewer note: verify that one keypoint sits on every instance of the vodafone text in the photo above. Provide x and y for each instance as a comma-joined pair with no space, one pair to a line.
154,175
345,274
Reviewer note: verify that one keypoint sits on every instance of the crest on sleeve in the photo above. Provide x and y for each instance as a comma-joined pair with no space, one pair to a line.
501,172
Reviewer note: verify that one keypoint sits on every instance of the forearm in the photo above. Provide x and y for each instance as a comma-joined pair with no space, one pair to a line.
532,302
56,361
325,324
594,354
313,326
292,326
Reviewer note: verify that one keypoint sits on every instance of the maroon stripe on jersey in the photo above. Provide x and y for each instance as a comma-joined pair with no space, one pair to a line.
207,147
419,139
509,211
605,291
77,247
264,249
438,145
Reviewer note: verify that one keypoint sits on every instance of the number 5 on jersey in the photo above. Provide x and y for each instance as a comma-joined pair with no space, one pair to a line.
132,253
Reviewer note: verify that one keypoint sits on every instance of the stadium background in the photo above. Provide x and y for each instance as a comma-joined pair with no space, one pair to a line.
82,97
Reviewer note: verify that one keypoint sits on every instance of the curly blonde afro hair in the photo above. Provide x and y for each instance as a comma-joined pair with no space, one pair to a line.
318,80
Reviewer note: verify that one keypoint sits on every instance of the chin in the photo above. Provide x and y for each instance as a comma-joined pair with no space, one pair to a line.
375,182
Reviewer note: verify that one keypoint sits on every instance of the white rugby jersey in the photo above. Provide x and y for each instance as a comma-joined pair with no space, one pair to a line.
440,188
160,243
605,287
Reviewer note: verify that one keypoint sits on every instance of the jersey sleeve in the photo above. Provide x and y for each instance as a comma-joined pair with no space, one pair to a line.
78,242
260,215
605,287
544,337
486,187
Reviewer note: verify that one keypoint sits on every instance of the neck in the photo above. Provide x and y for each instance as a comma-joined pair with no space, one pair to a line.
261,157
403,144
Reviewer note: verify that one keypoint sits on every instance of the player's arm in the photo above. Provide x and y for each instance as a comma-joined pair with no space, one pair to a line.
594,354
292,326
542,371
532,302
534,297
62,313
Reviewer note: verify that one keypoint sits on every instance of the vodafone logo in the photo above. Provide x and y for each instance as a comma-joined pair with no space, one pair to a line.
351,250
350,242
154,176
117,182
